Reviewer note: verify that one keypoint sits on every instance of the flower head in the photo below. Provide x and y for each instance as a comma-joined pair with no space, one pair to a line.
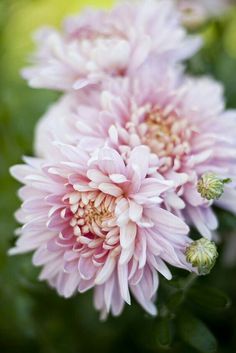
96,220
97,44
188,134
202,254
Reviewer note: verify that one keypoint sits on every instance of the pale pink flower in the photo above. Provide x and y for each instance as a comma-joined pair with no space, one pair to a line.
97,44
95,220
182,120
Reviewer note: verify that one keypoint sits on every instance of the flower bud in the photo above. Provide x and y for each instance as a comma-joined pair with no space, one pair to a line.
210,186
202,254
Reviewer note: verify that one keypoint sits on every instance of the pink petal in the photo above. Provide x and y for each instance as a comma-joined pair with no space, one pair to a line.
106,270
123,282
128,234
110,189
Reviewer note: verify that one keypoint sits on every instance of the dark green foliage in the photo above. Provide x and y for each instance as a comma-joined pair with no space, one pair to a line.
209,298
195,333
163,333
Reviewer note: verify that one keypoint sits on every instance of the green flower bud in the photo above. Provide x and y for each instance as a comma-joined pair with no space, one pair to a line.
202,254
210,186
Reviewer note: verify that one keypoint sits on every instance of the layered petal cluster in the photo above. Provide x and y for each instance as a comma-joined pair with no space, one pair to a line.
97,44
181,119
108,202
95,220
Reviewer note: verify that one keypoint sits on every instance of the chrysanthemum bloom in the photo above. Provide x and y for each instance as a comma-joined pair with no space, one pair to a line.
100,43
96,221
182,120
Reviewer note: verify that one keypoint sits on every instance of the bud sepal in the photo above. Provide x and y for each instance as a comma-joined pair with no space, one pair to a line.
202,254
211,187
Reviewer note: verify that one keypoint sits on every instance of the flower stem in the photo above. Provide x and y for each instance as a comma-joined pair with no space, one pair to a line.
189,281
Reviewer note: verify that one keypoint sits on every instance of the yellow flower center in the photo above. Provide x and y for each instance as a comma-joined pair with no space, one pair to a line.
93,212
168,137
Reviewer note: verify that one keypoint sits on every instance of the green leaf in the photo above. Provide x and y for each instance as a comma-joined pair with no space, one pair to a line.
163,333
195,333
209,298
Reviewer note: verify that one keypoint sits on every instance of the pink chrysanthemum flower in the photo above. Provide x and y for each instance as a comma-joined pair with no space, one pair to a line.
97,44
95,220
181,120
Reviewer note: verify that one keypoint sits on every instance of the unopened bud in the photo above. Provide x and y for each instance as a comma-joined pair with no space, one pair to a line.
202,254
210,186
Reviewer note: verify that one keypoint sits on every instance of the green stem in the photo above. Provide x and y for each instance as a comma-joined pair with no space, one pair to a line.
189,281
168,309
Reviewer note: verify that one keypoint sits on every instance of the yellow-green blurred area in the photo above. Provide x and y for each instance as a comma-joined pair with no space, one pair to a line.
33,318
21,18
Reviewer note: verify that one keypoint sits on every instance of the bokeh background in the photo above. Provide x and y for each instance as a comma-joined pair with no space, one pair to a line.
33,318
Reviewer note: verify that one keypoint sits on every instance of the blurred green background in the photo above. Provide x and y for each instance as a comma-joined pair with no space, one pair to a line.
33,318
